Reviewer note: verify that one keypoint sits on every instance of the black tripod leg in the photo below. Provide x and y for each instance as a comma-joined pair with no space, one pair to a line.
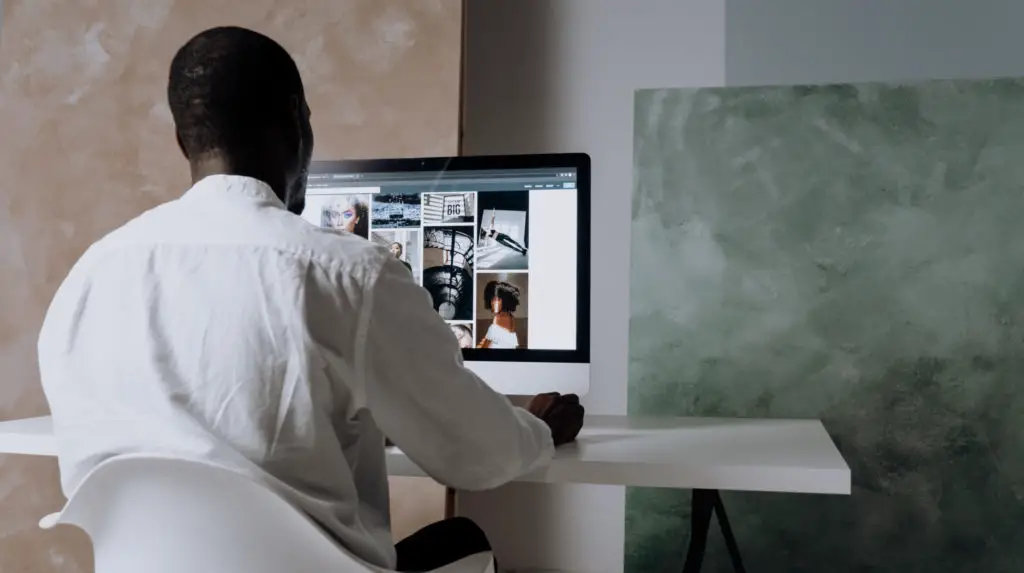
701,508
730,539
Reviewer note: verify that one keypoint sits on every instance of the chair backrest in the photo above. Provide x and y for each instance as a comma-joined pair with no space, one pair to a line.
163,515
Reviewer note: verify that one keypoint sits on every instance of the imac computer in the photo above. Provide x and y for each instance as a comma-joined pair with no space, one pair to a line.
501,244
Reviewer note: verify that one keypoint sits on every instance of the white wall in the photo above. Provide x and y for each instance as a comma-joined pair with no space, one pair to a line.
823,41
559,75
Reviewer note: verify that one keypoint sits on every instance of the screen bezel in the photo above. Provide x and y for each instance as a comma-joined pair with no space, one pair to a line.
578,161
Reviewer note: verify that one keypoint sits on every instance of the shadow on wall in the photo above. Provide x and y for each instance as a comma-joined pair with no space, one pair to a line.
851,253
521,116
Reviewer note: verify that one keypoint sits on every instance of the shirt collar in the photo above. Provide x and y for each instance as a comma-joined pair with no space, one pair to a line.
235,185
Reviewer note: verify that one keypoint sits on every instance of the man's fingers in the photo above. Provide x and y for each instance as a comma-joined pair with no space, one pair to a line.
542,401
574,421
571,398
566,410
566,420
546,401
577,413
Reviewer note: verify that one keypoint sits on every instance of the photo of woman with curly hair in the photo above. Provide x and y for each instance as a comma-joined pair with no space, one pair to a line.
502,310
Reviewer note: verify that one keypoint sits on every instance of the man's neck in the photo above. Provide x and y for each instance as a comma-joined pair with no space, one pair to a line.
216,164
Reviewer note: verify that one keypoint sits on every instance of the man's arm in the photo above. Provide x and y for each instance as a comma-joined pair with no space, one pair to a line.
447,420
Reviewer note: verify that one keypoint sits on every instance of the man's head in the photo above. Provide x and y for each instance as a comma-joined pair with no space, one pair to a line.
239,108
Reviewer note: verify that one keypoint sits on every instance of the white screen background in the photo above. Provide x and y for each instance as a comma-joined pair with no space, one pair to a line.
553,259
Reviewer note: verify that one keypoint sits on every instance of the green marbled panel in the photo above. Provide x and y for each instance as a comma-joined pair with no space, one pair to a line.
853,253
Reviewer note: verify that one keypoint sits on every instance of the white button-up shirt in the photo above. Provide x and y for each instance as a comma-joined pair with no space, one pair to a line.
221,327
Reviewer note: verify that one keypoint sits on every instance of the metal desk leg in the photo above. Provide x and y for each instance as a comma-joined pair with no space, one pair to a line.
705,503
701,508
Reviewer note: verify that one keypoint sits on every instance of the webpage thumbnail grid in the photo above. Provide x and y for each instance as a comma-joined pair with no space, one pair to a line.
472,252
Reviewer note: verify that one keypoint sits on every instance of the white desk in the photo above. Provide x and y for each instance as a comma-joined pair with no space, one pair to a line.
703,454
30,436
794,456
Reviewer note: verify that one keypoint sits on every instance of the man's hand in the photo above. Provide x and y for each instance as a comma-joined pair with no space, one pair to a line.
563,414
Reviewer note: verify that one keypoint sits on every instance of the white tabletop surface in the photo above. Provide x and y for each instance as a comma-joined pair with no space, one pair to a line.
33,436
795,456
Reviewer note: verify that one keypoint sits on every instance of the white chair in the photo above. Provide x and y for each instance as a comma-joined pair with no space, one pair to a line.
162,515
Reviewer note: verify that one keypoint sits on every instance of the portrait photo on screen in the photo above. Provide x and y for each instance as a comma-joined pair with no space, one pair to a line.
449,208
348,213
463,333
405,245
501,310
448,270
503,220
393,210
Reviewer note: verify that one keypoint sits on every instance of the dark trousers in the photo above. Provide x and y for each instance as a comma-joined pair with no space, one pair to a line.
440,544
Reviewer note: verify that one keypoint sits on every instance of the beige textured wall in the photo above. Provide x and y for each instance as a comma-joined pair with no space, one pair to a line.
86,142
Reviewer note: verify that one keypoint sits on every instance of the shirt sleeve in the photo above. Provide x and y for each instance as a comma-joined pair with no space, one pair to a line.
443,416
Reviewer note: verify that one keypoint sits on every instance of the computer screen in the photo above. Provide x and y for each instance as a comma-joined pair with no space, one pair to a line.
499,243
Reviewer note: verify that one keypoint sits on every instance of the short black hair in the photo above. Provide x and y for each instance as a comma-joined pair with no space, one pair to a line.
506,292
227,86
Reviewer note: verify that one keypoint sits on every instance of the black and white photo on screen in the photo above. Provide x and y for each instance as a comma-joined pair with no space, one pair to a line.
405,245
463,332
448,258
396,210
503,236
449,208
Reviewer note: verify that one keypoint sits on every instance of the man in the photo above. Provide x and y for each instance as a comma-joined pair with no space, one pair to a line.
222,327
396,251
